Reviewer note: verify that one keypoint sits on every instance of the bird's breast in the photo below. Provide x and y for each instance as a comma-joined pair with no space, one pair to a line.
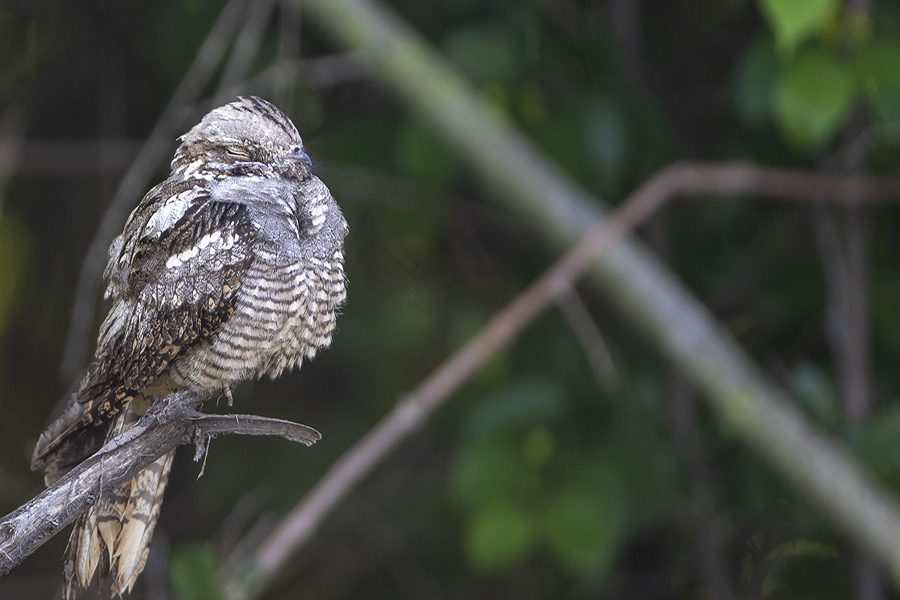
283,313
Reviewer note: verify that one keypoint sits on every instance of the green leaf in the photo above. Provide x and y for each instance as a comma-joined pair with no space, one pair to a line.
486,54
880,78
194,573
562,135
499,535
816,392
581,529
813,99
359,140
754,80
653,143
877,443
607,134
623,475
885,302
525,403
422,156
793,21
484,473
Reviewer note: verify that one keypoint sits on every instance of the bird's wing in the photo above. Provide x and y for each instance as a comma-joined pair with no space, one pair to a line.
173,275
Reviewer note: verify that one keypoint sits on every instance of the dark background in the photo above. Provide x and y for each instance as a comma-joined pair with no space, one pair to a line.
539,479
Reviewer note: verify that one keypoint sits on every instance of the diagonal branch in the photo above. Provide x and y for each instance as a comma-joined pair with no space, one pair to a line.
590,338
750,406
246,47
301,523
12,126
171,422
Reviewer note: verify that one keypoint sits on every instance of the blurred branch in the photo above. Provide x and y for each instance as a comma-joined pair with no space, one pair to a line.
12,126
591,339
71,157
336,69
860,7
288,52
58,157
711,534
245,49
136,180
301,523
171,422
843,243
322,72
564,14
288,32
750,406
65,157
625,17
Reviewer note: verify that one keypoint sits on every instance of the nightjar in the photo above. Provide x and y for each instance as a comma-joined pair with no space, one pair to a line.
231,268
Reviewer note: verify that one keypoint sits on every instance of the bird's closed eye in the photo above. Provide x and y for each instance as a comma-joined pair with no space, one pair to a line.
237,151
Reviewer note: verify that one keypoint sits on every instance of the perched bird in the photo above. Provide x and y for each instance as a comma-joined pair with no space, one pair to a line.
231,268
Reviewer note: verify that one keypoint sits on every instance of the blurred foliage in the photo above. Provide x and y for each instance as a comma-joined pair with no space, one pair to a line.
537,481
528,485
194,573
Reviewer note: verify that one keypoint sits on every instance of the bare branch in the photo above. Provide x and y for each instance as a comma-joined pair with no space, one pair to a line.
62,157
842,234
170,422
213,425
12,126
246,47
591,339
711,535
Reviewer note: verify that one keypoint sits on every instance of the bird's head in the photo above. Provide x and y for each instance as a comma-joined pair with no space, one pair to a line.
235,137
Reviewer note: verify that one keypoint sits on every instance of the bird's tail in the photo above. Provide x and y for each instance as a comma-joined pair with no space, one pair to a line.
113,537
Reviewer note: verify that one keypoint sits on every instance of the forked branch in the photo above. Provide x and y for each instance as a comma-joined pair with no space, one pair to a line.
171,422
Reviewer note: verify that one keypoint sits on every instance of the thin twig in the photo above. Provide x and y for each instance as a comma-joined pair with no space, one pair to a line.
171,422
213,425
246,46
625,18
845,253
63,157
591,339
684,427
12,127
288,53
323,72
302,522
136,180
288,32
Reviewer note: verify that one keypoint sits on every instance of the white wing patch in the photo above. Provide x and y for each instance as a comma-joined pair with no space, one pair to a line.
317,215
169,213
220,242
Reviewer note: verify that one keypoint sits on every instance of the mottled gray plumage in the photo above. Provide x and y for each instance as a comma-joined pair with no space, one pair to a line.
231,268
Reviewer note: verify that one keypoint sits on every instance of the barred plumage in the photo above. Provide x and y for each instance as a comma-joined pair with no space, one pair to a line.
232,268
